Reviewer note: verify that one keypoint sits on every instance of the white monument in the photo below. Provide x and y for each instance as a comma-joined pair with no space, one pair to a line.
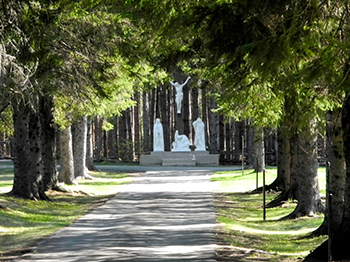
179,94
199,137
181,153
158,137
181,143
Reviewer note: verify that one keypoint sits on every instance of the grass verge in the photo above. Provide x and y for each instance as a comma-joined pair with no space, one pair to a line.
23,222
240,216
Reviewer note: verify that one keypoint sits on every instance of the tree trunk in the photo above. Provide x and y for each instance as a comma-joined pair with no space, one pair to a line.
137,126
194,107
250,144
304,172
112,138
165,117
128,128
146,123
228,140
205,116
89,148
194,104
121,138
79,147
214,128
131,135
115,138
66,174
239,132
171,118
186,111
27,150
156,97
125,149
336,171
104,143
269,146
340,240
152,113
98,138
221,148
284,162
258,149
48,135
284,158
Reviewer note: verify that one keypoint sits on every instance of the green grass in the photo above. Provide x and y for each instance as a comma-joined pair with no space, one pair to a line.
6,177
24,222
235,181
106,183
241,215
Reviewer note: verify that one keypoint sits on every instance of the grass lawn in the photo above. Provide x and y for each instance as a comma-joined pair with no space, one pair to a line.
241,215
23,222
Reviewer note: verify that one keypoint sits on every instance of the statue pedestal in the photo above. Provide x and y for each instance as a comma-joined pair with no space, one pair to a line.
180,150
193,158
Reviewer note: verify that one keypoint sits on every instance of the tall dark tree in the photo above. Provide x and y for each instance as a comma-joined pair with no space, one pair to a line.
48,139
214,128
79,131
146,123
304,176
340,239
27,153
165,115
335,171
137,126
259,149
66,174
90,147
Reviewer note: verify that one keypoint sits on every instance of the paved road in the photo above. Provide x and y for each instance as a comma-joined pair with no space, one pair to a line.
164,215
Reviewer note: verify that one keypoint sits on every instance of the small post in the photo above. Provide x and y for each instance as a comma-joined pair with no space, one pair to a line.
264,197
330,212
330,222
242,155
257,173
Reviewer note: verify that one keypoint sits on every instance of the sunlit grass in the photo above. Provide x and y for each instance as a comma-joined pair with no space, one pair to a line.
24,222
241,215
238,181
104,183
6,179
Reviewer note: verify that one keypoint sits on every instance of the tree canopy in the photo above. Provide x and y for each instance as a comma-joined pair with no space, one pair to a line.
280,63
256,54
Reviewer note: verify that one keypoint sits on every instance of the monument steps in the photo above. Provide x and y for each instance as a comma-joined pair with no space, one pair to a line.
193,158
178,162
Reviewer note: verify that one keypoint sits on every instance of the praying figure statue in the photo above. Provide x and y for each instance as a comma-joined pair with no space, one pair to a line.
199,137
179,94
158,137
181,143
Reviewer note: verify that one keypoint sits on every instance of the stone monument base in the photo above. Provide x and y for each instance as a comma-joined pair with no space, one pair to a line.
193,158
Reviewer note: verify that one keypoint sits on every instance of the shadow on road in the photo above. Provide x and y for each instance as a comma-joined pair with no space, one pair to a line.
161,216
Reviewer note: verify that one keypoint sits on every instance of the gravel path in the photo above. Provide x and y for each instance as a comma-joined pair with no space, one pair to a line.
165,215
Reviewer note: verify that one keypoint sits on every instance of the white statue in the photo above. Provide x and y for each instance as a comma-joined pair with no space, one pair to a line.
179,94
158,137
199,137
181,143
